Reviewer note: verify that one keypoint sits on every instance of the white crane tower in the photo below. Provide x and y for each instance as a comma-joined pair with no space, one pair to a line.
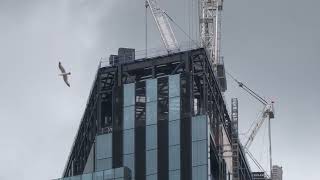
210,36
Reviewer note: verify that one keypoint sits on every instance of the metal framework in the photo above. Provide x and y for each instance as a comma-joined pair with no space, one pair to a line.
235,139
203,96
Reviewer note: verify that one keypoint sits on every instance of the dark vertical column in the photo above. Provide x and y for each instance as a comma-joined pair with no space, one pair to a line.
140,131
117,138
185,125
163,142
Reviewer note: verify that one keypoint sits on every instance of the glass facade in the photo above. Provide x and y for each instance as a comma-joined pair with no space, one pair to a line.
103,152
199,151
152,137
129,99
122,173
174,127
151,130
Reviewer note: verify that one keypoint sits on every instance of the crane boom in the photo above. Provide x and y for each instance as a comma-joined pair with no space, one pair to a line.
168,38
268,113
257,127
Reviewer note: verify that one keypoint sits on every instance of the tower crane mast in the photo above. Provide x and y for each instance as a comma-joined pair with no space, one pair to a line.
210,36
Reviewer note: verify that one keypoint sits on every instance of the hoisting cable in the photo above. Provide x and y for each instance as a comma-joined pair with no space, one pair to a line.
248,90
181,29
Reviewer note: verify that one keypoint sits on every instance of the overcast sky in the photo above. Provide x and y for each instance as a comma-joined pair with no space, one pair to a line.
273,46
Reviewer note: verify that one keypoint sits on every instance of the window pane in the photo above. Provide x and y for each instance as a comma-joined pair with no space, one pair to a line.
119,172
129,94
174,85
151,137
174,108
151,117
199,173
175,175
128,161
128,141
199,128
86,177
128,117
98,175
103,164
104,146
174,132
108,174
151,90
174,157
76,178
151,162
199,153
152,177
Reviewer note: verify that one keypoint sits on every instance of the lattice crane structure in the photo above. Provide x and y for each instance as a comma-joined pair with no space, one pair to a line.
210,36
162,20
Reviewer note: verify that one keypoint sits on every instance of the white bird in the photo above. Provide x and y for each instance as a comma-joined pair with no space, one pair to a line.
64,74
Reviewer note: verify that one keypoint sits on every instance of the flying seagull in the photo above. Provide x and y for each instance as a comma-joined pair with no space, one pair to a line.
64,74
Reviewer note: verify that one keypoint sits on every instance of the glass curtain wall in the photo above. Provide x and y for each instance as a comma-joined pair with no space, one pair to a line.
174,127
128,126
199,148
151,130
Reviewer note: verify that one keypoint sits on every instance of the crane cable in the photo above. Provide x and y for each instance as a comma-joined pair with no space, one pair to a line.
181,29
248,90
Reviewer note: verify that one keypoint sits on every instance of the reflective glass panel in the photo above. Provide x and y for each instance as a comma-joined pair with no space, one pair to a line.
128,117
151,116
174,157
174,85
128,141
76,178
103,164
86,177
174,132
199,153
108,174
104,146
151,137
174,108
151,90
152,177
98,175
200,173
175,175
128,161
199,128
151,162
129,94
119,172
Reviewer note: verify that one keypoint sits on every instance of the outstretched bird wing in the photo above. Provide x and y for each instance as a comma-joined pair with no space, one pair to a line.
65,78
61,68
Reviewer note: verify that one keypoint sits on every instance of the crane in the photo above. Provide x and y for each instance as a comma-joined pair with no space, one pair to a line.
210,36
161,18
267,113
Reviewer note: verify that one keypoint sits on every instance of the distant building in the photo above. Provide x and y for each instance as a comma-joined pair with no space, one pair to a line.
276,172
258,176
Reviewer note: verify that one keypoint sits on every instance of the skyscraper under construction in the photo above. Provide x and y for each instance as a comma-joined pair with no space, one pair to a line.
160,118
